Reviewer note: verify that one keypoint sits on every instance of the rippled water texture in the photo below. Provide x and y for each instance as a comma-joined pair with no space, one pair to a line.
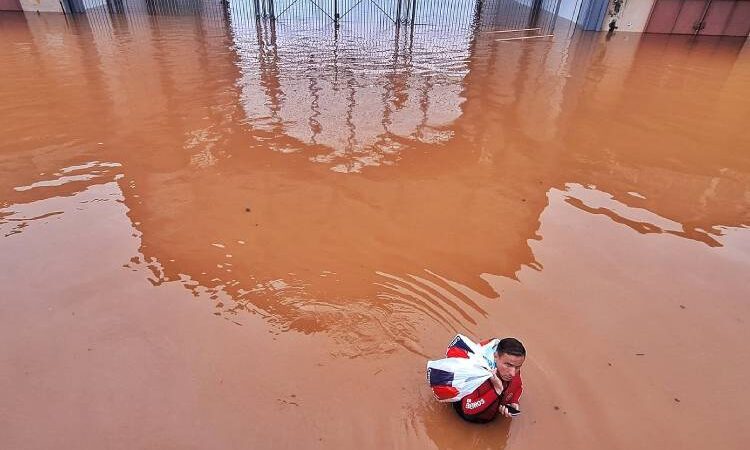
221,235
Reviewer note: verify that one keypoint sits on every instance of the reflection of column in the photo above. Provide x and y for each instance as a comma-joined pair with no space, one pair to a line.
269,72
351,139
116,7
389,92
536,8
477,15
424,105
80,6
313,122
152,8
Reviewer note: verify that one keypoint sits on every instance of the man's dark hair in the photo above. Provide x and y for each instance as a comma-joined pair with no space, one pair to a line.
510,346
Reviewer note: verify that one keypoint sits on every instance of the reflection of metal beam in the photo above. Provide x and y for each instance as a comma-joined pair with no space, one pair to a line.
512,31
355,5
382,10
287,8
701,24
478,6
554,16
536,8
376,5
525,37
324,11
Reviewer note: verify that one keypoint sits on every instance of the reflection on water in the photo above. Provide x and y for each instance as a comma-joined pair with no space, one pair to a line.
369,183
475,132
214,144
352,102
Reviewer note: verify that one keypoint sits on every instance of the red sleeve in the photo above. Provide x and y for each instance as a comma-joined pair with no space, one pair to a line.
479,400
515,389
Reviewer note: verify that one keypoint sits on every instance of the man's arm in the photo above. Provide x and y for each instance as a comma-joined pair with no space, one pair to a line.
497,384
516,389
476,403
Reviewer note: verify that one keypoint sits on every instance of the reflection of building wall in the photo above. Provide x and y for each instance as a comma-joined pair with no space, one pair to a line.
512,121
79,6
318,89
588,14
637,130
132,70
62,70
10,5
569,9
289,71
517,90
614,114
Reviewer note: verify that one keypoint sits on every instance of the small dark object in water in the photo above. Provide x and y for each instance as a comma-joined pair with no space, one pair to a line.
613,26
682,306
557,408
640,354
247,209
677,400
609,364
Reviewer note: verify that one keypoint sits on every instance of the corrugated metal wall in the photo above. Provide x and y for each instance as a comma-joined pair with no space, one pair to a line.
704,17
10,5
355,16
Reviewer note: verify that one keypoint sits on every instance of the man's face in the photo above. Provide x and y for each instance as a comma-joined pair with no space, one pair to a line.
508,365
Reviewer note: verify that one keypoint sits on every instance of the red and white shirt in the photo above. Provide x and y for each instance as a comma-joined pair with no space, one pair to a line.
483,404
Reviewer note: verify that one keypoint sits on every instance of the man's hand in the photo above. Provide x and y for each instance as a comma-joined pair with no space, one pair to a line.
496,382
504,411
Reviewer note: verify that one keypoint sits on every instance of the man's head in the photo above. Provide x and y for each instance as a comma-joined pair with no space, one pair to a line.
509,357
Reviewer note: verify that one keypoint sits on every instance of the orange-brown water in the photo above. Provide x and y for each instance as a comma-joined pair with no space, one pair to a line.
217,238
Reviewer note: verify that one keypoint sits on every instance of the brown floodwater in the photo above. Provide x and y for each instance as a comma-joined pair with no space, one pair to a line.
217,236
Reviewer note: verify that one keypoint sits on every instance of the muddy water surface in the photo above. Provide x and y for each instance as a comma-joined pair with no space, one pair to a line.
214,235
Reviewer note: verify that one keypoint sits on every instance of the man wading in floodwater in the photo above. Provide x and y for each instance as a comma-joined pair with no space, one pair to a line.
503,388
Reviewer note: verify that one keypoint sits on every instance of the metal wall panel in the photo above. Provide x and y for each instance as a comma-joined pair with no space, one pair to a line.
717,17
704,17
739,20
663,16
10,5
690,14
